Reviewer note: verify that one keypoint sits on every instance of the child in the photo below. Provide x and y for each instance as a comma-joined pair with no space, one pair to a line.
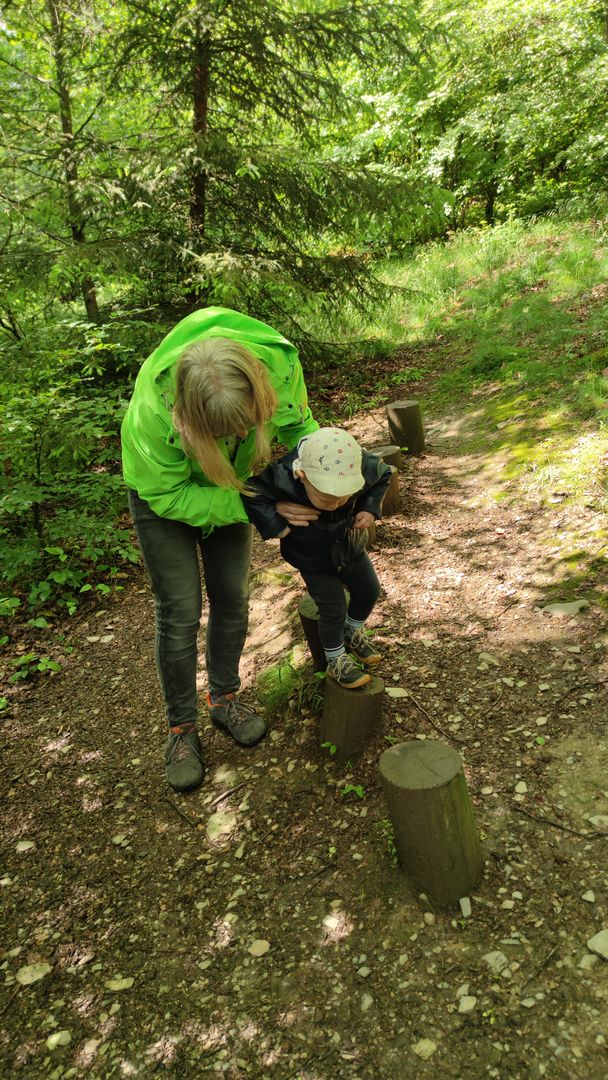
331,473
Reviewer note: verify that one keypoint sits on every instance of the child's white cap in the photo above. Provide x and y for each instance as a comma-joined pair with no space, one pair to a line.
331,459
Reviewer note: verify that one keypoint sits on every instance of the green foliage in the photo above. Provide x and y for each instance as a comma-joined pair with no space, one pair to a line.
286,686
32,664
60,495
355,789
386,827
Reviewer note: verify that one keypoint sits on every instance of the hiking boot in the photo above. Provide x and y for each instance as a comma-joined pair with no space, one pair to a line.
237,719
184,767
362,646
344,670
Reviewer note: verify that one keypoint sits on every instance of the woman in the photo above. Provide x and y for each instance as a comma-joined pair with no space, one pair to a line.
206,405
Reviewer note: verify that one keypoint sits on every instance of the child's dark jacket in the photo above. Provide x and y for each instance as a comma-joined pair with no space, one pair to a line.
328,544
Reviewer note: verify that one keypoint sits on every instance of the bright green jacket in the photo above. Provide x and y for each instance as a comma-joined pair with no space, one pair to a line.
154,463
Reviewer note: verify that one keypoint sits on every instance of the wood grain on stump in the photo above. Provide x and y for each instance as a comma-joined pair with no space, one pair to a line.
405,426
390,455
351,718
430,809
309,617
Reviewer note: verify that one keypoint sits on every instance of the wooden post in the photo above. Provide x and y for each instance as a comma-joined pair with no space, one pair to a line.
351,718
390,455
429,806
309,617
405,426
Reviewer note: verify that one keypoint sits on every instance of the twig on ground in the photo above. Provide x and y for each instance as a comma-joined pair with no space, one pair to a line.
318,874
227,794
571,689
558,825
188,820
310,1062
9,1002
511,603
539,967
495,703
434,723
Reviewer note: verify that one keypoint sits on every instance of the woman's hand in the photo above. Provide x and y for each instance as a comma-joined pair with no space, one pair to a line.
363,520
296,514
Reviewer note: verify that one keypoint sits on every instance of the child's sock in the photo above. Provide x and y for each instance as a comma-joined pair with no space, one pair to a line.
333,654
351,625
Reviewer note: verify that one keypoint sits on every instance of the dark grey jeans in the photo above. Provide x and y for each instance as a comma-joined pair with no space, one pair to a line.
171,554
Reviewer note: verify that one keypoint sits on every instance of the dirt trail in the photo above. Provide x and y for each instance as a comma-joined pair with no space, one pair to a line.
146,924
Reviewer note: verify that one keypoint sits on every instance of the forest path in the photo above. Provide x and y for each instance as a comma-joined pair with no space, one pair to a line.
147,925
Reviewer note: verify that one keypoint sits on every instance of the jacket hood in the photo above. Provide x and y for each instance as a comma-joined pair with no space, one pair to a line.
214,322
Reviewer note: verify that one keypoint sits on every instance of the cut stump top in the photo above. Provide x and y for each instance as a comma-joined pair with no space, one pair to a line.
416,765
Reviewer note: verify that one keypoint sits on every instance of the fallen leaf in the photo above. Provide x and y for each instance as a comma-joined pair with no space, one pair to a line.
119,983
31,974
58,1038
219,824
259,947
566,608
396,691
488,658
25,845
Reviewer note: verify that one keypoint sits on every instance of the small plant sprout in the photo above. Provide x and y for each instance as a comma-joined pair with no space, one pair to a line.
355,789
333,749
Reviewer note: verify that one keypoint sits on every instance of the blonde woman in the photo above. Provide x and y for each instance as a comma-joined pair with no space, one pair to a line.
205,408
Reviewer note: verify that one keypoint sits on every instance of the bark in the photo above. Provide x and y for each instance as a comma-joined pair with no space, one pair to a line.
68,153
200,101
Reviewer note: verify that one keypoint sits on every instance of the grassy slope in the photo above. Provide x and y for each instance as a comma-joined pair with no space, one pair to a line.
508,328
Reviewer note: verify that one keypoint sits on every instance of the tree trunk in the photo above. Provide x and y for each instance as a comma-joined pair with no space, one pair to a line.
405,426
200,103
429,806
351,718
70,168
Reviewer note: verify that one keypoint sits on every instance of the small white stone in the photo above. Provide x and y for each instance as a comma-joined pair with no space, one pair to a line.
521,788
465,907
528,1003
496,961
589,896
467,1003
599,944
588,962
429,918
424,1049
366,1002
508,905
463,990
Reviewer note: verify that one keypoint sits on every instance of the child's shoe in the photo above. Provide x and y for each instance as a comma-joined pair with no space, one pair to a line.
344,670
362,646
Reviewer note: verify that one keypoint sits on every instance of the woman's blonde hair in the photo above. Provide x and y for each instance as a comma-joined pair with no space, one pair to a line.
221,389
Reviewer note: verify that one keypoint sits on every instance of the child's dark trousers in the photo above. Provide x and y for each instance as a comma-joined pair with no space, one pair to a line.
327,591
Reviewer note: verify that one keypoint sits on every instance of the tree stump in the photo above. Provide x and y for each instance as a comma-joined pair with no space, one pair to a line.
309,617
429,806
390,455
351,718
405,426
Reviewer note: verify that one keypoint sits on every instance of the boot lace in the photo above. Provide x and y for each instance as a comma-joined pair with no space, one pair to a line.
344,665
181,747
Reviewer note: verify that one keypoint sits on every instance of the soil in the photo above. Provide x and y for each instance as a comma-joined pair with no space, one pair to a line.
147,926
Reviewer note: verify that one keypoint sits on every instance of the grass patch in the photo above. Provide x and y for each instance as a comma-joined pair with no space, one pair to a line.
508,328
290,685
